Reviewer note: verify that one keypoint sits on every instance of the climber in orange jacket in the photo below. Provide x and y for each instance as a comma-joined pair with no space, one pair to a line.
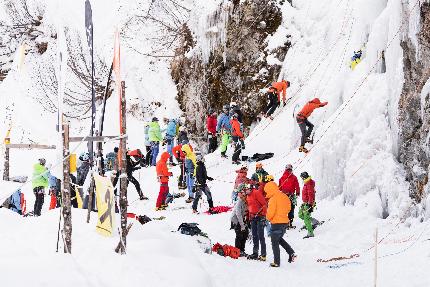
163,175
281,87
306,127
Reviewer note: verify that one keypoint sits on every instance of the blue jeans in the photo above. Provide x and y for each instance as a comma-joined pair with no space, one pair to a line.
155,148
190,184
170,143
257,229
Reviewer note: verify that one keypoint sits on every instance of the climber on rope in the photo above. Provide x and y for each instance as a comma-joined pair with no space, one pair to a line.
306,127
272,103
356,59
281,87
224,129
237,137
211,123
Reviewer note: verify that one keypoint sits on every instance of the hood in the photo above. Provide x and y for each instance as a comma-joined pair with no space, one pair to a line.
165,156
316,101
271,188
186,148
242,171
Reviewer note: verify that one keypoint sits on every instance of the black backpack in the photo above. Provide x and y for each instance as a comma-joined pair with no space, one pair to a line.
189,229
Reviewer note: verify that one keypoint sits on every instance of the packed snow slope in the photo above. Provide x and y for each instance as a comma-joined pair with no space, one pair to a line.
359,183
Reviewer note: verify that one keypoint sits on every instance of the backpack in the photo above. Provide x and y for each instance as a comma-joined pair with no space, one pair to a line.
189,229
110,161
226,250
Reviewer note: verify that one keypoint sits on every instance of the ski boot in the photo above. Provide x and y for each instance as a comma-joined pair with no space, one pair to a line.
274,265
292,258
161,208
303,149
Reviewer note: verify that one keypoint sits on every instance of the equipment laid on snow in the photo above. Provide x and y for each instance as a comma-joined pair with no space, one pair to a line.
190,229
258,157
226,250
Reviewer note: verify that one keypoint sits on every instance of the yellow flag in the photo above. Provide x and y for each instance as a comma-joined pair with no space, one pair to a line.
105,205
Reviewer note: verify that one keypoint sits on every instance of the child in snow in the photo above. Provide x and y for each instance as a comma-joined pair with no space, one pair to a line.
277,214
239,222
308,197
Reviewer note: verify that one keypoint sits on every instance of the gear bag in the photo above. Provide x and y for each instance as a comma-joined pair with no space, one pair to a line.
189,229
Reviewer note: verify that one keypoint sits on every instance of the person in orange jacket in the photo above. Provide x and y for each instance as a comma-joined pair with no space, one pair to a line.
281,87
277,214
237,137
306,127
163,175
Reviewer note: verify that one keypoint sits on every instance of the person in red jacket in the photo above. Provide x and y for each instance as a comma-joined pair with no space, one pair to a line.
308,197
163,175
306,127
211,123
281,87
289,185
237,137
257,208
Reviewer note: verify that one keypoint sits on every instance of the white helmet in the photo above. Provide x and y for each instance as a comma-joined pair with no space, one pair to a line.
233,104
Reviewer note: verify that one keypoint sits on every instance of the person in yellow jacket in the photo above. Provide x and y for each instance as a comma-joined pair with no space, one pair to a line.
190,168
277,214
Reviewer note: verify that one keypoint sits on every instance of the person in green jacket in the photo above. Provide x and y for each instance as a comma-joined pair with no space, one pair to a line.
155,138
39,183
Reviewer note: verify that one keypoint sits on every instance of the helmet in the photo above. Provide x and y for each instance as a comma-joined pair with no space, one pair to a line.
235,116
42,161
155,119
226,108
269,178
289,167
258,165
211,111
84,156
304,175
115,149
199,157
233,104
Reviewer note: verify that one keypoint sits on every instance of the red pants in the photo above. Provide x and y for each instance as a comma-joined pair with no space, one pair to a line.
161,199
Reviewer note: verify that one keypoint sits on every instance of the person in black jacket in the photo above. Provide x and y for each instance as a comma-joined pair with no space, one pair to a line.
272,99
132,165
200,184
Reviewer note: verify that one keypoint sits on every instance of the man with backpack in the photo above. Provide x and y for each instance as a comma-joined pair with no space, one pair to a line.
306,126
237,137
224,129
39,183
190,167
201,185
155,138
289,185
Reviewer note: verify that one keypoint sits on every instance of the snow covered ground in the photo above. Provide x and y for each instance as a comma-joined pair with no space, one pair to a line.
359,182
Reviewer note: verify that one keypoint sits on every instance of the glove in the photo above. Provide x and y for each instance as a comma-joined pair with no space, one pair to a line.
210,178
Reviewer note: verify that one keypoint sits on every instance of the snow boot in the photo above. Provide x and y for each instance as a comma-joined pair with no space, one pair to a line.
309,235
189,200
292,258
243,254
236,162
303,149
252,256
261,258
274,265
223,155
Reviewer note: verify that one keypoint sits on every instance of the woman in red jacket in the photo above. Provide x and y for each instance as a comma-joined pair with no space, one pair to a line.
289,185
257,207
211,123
308,197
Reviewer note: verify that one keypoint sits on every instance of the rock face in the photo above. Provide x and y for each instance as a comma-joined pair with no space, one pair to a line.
232,64
414,108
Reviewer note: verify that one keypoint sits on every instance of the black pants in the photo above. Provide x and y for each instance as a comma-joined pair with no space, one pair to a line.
237,148
148,156
277,232
213,143
40,198
241,237
202,189
130,178
291,213
182,181
257,229
271,109
306,128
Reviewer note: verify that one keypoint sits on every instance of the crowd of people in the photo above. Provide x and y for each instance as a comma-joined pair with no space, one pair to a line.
259,202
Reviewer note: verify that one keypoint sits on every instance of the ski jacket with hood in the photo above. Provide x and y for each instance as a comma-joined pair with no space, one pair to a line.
279,204
171,129
154,132
190,159
310,107
235,128
201,173
289,184
281,87
239,213
308,191
162,169
211,124
257,204
40,176
223,123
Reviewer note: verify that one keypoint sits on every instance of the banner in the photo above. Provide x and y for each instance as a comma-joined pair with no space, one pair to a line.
105,205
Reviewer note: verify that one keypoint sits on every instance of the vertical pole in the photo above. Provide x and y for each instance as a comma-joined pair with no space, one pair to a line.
6,163
376,257
123,176
67,209
90,197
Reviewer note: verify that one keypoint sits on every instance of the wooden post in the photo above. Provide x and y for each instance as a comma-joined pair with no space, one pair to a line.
67,206
123,175
90,197
6,163
376,257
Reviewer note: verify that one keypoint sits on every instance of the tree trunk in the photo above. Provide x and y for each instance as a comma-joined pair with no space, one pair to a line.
67,208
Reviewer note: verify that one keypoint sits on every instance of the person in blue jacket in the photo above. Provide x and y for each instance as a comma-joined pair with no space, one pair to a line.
170,137
224,128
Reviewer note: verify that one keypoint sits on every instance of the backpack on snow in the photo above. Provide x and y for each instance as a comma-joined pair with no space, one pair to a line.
110,161
258,156
189,229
